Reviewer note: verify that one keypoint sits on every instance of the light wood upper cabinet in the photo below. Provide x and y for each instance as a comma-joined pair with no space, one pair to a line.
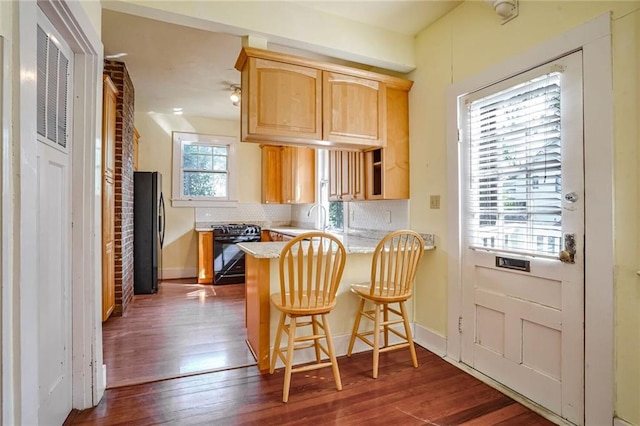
271,174
205,257
298,175
280,100
288,174
387,169
346,175
353,110
289,100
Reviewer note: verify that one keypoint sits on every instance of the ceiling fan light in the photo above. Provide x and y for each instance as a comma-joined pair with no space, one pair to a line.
235,95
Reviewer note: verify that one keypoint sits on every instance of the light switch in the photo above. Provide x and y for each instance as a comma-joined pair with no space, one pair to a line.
434,202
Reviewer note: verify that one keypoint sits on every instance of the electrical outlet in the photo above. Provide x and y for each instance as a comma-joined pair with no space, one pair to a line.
387,215
434,202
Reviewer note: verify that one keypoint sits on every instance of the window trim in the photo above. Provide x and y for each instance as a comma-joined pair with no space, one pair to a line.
177,198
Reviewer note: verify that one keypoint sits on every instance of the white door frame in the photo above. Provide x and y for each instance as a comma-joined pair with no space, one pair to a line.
594,38
19,337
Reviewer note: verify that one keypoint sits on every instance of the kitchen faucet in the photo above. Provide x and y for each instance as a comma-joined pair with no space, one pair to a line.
324,216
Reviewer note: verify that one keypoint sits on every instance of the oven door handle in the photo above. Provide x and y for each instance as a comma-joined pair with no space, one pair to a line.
234,240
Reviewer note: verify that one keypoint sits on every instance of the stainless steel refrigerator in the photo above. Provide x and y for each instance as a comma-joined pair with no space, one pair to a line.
148,231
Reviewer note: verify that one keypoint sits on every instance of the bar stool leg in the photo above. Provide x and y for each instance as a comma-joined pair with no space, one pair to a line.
407,330
332,354
316,341
376,340
276,346
356,325
288,364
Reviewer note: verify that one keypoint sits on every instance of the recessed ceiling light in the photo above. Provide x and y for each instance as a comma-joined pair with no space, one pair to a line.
116,55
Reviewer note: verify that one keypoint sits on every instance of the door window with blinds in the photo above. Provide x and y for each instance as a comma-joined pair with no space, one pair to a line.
513,134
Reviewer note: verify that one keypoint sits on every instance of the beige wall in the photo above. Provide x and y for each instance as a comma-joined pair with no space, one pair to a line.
155,154
471,39
286,23
93,9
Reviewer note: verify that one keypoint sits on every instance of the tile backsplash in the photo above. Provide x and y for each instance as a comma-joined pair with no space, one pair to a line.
261,214
378,215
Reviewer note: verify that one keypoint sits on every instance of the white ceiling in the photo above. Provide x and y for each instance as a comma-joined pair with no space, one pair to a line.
174,66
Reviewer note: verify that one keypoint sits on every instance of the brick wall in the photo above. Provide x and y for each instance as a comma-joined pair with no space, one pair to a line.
123,184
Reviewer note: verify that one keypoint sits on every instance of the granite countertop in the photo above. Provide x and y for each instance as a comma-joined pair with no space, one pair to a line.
352,243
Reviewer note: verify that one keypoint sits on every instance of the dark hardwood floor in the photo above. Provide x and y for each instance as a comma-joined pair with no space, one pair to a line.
435,393
186,328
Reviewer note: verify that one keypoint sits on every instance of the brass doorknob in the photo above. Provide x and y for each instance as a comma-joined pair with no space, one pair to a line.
565,256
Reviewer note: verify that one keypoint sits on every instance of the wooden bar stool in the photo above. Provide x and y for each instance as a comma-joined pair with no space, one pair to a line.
311,267
393,270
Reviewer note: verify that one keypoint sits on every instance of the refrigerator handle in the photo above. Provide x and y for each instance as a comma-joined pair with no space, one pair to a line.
162,222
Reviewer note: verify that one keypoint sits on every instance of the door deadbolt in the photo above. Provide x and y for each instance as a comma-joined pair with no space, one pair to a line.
571,197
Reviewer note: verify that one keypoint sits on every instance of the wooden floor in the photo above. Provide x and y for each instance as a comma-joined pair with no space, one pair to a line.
167,334
435,393
184,329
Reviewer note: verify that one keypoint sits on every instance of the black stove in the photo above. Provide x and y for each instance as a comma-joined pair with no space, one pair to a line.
228,260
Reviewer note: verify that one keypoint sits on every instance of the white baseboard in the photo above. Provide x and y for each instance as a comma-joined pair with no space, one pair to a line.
617,421
172,273
430,340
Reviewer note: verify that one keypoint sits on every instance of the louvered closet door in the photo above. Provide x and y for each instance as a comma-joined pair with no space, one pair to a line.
523,205
54,95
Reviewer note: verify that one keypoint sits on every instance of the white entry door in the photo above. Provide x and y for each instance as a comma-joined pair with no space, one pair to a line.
523,208
53,226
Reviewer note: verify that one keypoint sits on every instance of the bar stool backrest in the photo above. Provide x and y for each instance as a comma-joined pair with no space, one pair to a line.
311,267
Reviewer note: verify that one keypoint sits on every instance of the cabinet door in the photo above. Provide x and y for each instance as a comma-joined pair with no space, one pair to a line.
387,175
335,173
271,174
306,176
353,110
205,257
108,197
396,154
346,176
283,102
356,175
298,175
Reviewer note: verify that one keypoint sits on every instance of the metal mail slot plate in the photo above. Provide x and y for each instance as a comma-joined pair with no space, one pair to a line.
510,263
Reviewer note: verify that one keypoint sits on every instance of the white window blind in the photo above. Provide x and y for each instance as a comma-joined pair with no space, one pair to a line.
514,202
53,90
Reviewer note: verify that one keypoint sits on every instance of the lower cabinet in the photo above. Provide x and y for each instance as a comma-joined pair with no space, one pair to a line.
205,257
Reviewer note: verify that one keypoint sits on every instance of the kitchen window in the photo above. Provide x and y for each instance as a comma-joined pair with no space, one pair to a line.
203,170
336,210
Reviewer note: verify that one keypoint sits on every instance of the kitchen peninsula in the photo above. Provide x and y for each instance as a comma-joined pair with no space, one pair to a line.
262,279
